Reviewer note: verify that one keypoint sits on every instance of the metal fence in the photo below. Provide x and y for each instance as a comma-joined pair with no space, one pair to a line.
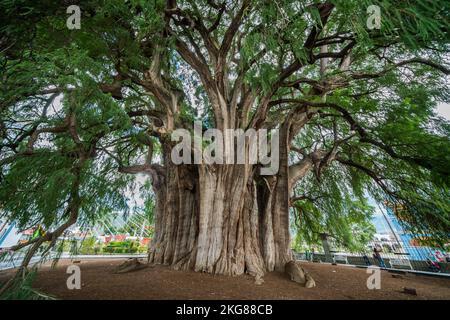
395,257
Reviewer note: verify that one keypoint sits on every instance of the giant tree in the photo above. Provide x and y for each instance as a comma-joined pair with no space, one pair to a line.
353,104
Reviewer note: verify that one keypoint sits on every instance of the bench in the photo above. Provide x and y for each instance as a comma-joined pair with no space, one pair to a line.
341,258
300,256
400,263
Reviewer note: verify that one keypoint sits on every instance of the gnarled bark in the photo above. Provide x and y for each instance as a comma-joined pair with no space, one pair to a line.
221,219
207,220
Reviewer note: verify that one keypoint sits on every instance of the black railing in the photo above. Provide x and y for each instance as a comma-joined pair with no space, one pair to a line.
399,258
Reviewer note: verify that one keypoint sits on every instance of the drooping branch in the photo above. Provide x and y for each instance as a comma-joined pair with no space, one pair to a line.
72,210
375,177
364,136
393,66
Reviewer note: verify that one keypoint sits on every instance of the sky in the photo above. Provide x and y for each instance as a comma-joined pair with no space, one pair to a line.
378,220
443,109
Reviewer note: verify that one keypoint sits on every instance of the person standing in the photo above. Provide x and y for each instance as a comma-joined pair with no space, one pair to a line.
366,259
377,256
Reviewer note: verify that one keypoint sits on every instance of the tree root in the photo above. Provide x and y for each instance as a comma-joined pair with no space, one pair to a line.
297,274
130,265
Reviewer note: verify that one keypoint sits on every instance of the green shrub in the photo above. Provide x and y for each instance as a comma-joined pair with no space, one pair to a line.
127,246
22,289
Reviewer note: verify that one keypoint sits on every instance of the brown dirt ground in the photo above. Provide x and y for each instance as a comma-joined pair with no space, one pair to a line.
159,282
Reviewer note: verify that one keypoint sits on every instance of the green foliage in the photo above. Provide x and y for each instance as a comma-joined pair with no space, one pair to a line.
90,246
405,144
332,207
126,246
22,289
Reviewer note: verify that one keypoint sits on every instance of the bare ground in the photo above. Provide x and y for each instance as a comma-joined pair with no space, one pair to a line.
159,282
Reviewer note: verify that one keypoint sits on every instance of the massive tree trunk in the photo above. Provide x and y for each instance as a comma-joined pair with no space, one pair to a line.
276,210
176,217
223,219
225,240
220,219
